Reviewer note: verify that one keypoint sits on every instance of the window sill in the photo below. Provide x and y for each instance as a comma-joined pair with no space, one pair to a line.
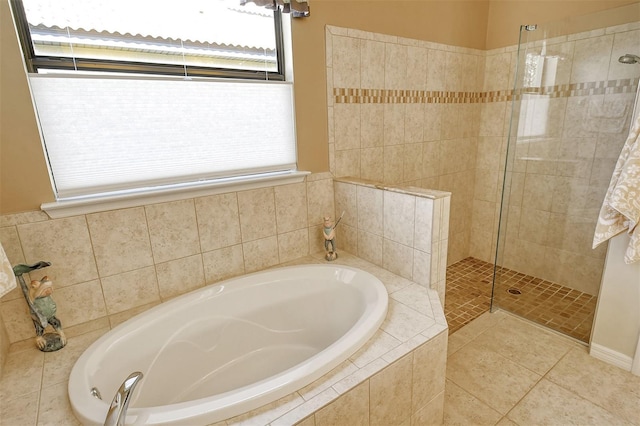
66,208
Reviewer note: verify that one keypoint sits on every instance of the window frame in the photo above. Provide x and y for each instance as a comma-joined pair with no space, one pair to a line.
34,62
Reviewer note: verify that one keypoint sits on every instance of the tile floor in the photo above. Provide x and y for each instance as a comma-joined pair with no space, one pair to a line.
508,371
552,305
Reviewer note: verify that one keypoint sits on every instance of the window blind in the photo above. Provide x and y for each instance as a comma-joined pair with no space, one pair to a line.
105,135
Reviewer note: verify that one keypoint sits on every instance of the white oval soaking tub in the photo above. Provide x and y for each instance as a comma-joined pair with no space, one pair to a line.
228,348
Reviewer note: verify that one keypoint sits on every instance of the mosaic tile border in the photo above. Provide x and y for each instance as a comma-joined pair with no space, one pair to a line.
396,96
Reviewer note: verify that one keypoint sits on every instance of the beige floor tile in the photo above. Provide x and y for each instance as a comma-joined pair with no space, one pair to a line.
55,408
506,421
462,408
550,404
490,377
20,411
525,344
610,387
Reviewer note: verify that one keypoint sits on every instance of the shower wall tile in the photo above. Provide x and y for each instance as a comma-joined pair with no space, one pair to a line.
347,163
346,201
371,67
173,230
346,61
371,162
346,120
395,66
591,59
370,210
66,244
371,125
623,43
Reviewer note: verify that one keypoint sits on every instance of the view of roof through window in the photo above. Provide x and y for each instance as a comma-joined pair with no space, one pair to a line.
200,33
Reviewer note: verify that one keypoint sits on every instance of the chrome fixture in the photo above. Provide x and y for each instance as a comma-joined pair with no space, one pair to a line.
118,409
531,27
629,59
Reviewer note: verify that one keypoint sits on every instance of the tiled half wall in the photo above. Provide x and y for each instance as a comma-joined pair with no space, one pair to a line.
404,111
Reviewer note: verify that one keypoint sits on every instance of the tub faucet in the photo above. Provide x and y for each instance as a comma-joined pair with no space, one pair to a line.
118,410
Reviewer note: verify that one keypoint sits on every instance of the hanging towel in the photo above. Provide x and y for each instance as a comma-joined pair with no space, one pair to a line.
7,278
621,208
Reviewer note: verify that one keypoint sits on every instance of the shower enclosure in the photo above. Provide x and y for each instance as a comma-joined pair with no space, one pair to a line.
571,112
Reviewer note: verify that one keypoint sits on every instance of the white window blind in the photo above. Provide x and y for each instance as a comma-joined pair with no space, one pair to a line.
105,135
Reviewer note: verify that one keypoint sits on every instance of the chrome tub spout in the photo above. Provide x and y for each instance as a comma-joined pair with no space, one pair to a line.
118,410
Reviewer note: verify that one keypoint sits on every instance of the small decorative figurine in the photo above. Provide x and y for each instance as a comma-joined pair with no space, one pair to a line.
329,233
42,308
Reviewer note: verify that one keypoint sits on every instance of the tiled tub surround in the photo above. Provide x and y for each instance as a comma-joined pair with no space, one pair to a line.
437,116
182,245
397,377
108,266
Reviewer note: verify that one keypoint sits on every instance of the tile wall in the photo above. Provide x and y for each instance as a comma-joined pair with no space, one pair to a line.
403,111
402,229
108,266
571,126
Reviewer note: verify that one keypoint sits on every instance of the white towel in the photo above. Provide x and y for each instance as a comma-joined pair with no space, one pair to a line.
621,208
7,278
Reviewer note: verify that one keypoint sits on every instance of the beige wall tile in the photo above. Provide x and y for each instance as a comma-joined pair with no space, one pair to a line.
371,121
223,263
291,207
429,362
436,69
417,59
257,214
391,393
395,66
321,200
371,163
120,240
66,244
218,221
397,258
623,42
292,245
346,61
260,254
346,201
393,164
412,167
173,230
591,59
370,247
180,276
421,268
399,217
370,209
371,67
352,408
347,163
347,126
79,303
130,289
347,238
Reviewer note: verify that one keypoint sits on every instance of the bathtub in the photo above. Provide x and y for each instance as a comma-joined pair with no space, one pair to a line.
229,348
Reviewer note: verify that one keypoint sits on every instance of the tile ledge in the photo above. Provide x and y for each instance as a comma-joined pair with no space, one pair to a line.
433,194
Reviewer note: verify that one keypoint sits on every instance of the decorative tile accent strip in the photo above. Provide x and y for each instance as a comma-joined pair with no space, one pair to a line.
395,96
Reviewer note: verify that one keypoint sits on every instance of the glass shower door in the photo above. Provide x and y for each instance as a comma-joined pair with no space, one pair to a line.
571,112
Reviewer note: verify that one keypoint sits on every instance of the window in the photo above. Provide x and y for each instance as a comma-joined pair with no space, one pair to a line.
211,38
136,97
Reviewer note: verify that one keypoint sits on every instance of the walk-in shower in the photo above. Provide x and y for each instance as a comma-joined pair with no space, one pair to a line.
573,101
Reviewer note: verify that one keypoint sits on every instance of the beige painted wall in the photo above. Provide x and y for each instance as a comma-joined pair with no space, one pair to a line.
24,180
506,16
